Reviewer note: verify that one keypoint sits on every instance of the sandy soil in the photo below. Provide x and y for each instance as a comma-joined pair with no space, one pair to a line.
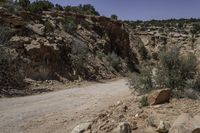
59,112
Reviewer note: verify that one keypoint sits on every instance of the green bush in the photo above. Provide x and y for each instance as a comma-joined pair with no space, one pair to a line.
195,28
59,7
175,69
144,101
80,58
114,60
48,27
70,24
10,77
143,52
143,82
39,6
86,9
5,34
114,17
89,9
24,3
172,71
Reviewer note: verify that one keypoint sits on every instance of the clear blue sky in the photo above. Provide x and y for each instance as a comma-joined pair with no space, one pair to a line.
142,9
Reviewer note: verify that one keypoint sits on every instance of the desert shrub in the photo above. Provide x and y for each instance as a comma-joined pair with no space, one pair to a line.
172,71
89,9
144,101
143,82
79,62
11,79
79,57
195,28
86,9
70,24
24,3
175,69
194,83
143,52
114,17
59,7
48,26
5,34
40,5
114,60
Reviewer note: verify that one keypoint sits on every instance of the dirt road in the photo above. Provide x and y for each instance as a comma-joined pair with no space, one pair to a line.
58,112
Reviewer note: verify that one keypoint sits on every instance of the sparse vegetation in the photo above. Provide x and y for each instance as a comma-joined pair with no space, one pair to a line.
142,82
70,24
143,52
24,3
48,27
195,28
173,71
5,34
114,60
59,7
114,17
10,77
176,69
86,9
144,101
39,6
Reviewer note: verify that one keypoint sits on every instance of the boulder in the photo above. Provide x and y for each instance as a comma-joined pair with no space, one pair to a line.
159,96
37,28
123,127
81,128
185,123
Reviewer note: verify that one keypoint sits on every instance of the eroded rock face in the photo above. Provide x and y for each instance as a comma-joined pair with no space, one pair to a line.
49,51
159,96
186,123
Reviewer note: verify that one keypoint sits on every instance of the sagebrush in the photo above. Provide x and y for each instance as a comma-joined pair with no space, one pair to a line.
173,71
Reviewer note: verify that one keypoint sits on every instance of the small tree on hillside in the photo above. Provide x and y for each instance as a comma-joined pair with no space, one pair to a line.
114,17
59,7
195,29
24,3
89,9
39,6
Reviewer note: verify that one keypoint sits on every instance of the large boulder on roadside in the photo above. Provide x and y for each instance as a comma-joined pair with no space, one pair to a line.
185,123
81,128
159,96
123,127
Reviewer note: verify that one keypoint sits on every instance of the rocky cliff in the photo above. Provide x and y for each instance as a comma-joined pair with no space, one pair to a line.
56,45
